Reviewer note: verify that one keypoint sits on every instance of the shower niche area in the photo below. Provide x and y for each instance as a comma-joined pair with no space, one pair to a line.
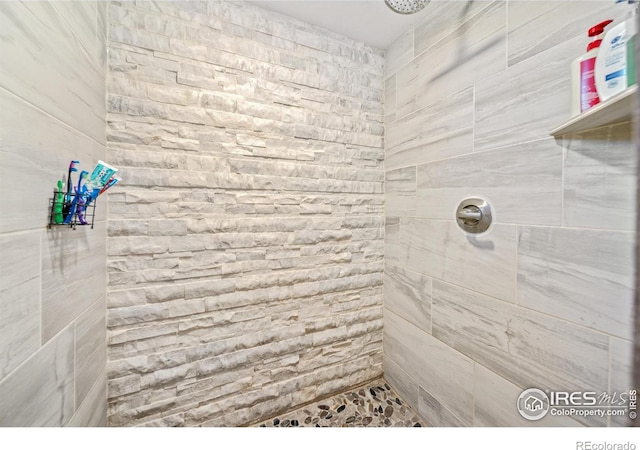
287,224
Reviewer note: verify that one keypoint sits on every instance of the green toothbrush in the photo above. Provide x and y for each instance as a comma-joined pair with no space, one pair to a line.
58,203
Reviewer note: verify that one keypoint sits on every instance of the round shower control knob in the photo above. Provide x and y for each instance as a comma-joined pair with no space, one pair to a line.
474,215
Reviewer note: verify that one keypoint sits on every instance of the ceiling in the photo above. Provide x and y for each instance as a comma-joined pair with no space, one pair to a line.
369,21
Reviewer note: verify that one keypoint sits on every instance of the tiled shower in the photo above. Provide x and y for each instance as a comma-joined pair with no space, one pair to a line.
285,228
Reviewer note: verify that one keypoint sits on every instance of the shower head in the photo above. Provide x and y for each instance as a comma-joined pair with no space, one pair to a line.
406,6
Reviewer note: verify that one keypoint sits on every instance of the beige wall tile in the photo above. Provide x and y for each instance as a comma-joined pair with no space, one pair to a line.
521,345
444,20
526,101
399,53
91,348
93,410
441,250
582,276
19,299
41,155
496,404
436,414
536,26
621,375
59,76
400,190
73,274
441,130
431,363
408,294
522,183
475,52
403,384
600,179
40,391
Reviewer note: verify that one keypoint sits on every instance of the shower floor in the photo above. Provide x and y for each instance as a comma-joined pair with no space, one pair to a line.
372,405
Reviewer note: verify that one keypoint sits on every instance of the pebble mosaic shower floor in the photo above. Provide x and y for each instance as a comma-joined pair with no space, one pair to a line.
373,405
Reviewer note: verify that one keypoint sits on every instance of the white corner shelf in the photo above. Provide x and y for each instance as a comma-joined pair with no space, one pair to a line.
617,109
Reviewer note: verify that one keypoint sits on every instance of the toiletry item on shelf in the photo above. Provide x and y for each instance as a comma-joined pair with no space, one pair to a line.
632,37
58,200
611,70
100,176
584,93
632,29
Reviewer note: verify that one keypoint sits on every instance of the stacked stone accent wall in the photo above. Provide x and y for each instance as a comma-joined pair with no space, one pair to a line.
245,248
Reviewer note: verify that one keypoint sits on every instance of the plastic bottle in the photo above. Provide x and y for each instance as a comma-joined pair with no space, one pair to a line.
584,93
632,31
615,64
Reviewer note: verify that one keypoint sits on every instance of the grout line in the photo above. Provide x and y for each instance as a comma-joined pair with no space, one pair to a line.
473,393
42,111
473,119
506,37
562,182
75,366
40,313
473,152
609,370
431,309
521,225
543,313
517,241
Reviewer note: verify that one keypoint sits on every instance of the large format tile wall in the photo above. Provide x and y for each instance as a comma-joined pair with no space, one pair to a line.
245,245
544,299
52,282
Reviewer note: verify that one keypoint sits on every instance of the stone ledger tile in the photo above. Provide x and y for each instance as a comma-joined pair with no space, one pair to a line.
583,276
40,392
431,362
19,299
441,250
253,281
522,183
